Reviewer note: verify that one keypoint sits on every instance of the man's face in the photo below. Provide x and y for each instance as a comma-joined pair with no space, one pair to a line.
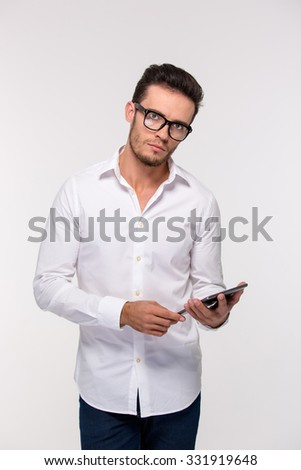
154,148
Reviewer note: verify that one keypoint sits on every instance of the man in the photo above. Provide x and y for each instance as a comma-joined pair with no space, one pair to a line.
142,235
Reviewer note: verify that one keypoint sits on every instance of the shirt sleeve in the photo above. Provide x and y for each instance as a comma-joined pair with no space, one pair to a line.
206,267
54,287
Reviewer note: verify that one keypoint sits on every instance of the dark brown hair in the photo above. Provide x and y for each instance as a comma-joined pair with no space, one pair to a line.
171,77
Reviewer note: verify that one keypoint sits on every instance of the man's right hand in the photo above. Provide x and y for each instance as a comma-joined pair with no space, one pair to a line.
148,317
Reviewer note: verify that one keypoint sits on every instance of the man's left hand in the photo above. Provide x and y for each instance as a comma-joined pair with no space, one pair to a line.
213,318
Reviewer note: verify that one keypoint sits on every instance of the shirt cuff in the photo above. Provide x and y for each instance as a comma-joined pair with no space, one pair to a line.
109,311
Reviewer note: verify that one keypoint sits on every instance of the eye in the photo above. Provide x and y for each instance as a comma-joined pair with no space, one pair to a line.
177,126
152,115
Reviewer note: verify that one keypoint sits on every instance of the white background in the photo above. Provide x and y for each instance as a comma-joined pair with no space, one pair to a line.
67,69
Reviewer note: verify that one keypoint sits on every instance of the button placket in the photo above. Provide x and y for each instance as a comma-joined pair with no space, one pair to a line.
138,257
138,359
134,198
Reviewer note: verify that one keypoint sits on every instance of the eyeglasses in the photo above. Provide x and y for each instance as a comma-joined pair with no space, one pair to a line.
155,121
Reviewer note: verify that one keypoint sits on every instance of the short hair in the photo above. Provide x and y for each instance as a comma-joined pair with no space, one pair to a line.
172,77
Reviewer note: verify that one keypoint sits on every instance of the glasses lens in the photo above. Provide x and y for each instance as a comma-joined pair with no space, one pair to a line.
153,120
178,131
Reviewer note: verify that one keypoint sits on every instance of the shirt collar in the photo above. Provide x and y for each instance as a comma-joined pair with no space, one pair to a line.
113,165
176,171
110,164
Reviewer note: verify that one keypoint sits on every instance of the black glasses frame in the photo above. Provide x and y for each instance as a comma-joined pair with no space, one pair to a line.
166,122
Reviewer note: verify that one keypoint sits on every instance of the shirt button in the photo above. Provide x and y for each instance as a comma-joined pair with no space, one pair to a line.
138,360
139,224
137,293
138,258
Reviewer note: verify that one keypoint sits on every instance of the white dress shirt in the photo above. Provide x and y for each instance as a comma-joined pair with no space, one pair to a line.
156,254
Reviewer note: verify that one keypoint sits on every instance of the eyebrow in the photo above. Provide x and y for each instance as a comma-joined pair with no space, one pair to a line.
178,121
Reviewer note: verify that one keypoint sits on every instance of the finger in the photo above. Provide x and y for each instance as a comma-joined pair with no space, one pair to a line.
167,322
178,318
198,314
169,315
234,299
155,333
161,322
192,313
222,303
158,330
199,308
153,324
209,316
196,309
155,321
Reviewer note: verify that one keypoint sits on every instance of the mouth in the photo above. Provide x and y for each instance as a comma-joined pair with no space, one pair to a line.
156,147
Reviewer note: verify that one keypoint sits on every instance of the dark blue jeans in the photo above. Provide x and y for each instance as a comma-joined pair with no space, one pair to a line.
101,430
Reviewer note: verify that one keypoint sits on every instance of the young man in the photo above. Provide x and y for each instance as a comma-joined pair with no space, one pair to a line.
142,236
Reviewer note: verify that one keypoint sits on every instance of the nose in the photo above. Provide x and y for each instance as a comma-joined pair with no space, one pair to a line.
163,133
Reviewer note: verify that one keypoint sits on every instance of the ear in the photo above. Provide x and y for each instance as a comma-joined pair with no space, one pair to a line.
130,111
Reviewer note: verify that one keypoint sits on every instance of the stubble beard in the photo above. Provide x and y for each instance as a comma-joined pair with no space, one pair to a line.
148,161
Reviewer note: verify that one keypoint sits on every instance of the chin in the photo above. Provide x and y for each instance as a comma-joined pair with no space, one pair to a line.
152,162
